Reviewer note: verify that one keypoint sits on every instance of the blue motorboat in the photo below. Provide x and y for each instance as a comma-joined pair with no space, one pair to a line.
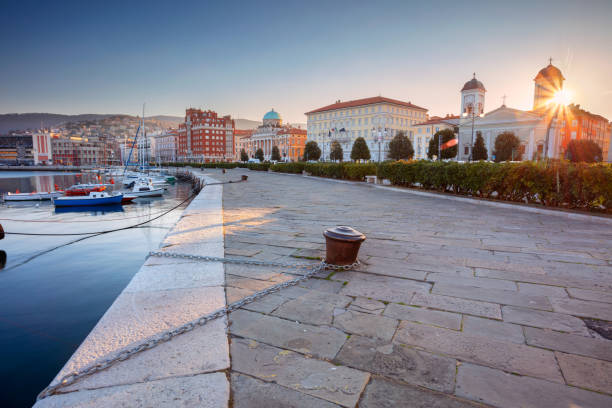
94,198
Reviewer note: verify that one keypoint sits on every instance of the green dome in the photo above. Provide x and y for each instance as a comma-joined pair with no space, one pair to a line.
272,115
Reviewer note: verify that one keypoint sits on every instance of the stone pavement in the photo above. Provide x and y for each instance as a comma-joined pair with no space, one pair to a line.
454,305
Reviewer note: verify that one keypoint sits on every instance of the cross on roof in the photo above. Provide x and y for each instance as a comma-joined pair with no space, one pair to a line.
550,60
504,100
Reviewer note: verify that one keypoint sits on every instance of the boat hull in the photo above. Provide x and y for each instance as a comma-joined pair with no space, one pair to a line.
157,192
31,196
87,201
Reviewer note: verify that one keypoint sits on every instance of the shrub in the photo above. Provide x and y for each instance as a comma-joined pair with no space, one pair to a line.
583,151
480,151
400,147
296,167
312,151
336,151
446,135
259,166
360,150
259,154
507,147
243,155
275,156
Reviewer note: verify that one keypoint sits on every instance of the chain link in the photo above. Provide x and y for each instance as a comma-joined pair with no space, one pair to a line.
166,336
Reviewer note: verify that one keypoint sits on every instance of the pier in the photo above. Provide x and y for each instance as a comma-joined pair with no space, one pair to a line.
455,304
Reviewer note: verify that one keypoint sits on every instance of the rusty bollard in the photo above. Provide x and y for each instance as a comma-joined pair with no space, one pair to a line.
342,245
223,171
244,177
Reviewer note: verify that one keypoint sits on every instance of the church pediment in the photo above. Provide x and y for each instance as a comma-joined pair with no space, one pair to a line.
504,115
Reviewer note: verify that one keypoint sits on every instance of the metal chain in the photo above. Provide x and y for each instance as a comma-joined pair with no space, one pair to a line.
73,377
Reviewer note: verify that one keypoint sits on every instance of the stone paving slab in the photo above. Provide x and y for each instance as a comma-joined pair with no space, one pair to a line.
421,315
248,392
545,320
505,390
493,329
570,343
365,324
382,393
398,362
458,305
586,372
336,384
324,342
506,356
583,308
200,391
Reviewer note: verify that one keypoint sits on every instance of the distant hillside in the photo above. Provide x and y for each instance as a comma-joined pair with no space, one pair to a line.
25,121
243,124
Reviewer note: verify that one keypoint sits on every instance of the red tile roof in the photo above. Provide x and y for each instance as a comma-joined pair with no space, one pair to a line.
365,101
437,119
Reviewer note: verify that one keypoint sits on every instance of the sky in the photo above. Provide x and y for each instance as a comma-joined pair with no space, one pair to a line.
243,58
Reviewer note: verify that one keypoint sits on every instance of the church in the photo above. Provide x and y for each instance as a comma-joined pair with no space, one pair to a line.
531,127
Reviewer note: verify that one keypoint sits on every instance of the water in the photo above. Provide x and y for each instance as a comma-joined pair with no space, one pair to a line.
53,290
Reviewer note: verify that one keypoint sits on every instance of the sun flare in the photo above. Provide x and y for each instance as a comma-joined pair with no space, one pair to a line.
561,97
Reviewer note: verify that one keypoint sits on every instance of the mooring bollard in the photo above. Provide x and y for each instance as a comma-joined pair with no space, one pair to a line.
223,171
1,232
244,177
342,245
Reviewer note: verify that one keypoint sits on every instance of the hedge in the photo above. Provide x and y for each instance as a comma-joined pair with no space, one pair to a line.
221,165
293,167
555,184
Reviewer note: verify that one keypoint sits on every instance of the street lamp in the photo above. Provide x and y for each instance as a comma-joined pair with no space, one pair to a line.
471,113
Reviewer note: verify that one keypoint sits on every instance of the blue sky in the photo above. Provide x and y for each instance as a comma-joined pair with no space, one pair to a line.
244,58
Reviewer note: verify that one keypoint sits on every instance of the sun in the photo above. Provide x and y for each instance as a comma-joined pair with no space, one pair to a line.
562,97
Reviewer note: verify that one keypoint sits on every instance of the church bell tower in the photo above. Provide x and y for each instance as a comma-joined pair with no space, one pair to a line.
548,82
472,97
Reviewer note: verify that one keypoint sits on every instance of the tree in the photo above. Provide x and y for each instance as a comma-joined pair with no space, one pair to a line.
259,155
507,147
445,135
583,151
480,151
400,147
312,151
243,156
336,151
275,154
360,150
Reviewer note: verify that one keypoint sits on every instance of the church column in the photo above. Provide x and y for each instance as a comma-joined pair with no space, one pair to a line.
489,145
531,148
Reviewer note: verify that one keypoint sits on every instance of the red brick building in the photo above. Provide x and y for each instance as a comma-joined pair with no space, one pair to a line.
579,124
205,137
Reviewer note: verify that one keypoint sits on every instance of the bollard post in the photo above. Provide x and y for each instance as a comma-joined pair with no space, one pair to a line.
342,245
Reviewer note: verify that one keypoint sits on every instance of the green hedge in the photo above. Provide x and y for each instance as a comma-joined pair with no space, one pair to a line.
556,184
293,167
347,171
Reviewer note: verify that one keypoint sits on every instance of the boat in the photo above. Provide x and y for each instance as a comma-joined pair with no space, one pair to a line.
143,187
35,196
93,209
84,189
94,198
128,198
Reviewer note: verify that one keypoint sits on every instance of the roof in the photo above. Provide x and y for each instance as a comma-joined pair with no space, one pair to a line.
549,72
473,84
272,115
365,101
450,119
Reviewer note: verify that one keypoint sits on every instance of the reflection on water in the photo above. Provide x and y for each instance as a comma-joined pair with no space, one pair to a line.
53,289
27,182
93,209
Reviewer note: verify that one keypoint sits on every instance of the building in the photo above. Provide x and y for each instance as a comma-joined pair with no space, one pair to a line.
376,119
424,131
543,131
16,149
205,137
42,151
290,140
164,146
242,138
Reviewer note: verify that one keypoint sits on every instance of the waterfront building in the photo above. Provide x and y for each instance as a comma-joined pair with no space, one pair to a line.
290,140
243,138
543,131
16,149
164,146
376,119
205,136
424,131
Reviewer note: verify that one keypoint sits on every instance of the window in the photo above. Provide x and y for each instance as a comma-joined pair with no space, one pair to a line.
466,150
573,134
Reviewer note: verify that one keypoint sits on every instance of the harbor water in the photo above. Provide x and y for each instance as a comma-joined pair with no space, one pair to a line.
54,289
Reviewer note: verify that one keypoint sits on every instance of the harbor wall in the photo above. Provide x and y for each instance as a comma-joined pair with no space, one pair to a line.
165,293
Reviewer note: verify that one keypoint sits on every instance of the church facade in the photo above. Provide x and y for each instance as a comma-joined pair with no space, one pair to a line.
540,130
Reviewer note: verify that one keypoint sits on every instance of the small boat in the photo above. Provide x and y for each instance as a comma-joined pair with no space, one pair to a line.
128,198
93,209
83,189
144,188
94,198
40,196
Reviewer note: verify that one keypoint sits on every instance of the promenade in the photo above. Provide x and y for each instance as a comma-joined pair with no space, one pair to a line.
454,305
